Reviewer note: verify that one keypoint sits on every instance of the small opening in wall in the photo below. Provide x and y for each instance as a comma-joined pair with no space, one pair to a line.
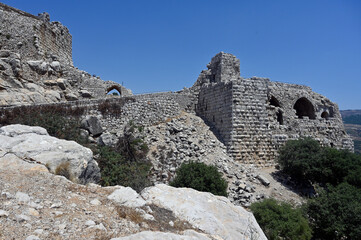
280,117
304,108
325,115
214,119
332,145
274,102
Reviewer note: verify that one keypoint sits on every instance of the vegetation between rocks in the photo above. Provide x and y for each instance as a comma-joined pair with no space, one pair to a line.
201,177
279,220
335,212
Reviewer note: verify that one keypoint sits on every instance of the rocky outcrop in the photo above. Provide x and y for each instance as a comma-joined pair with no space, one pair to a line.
147,235
40,205
63,157
213,215
36,64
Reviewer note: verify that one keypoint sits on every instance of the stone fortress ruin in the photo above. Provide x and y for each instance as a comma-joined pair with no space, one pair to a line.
255,116
252,117
36,62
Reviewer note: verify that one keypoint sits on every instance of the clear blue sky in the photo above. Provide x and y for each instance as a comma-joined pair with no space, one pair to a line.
162,45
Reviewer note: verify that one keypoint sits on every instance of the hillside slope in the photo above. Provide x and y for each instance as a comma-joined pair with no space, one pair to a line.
352,122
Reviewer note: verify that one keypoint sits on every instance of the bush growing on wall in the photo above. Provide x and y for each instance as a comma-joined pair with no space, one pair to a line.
281,221
201,177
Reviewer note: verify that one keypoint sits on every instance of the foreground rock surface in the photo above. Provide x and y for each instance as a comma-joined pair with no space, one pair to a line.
212,214
33,144
39,205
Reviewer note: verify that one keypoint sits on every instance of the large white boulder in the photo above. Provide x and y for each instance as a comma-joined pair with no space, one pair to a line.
34,144
147,235
212,214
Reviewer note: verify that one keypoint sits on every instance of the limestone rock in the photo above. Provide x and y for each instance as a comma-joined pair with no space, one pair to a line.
126,196
107,139
263,180
92,124
187,235
35,144
71,97
213,215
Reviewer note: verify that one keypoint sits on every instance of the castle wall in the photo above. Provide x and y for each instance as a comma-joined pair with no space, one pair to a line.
215,107
34,37
250,133
142,110
255,117
324,122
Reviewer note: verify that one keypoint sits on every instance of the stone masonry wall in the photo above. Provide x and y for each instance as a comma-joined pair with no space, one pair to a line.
34,37
142,110
215,107
255,117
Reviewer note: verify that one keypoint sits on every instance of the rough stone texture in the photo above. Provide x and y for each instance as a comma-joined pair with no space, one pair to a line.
255,116
35,145
93,125
36,63
212,214
147,235
51,207
33,36
126,196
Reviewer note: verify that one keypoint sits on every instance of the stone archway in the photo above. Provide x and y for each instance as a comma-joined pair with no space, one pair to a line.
116,88
304,108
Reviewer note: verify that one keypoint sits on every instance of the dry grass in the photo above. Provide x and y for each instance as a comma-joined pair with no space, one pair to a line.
163,219
63,169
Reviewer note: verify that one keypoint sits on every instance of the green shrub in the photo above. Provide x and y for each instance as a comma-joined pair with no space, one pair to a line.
117,170
336,213
201,177
281,221
304,159
298,158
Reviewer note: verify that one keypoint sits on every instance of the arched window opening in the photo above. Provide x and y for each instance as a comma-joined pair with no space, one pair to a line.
114,90
274,102
332,145
280,117
325,115
304,108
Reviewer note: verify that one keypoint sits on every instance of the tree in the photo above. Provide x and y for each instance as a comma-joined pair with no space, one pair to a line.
279,220
336,213
299,158
201,177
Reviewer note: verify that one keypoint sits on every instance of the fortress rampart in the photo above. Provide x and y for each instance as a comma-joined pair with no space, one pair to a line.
255,116
34,37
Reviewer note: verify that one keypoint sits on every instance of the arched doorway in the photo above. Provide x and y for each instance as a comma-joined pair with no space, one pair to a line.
114,90
304,108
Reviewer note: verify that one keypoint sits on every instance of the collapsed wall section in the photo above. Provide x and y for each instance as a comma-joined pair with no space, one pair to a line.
305,113
34,37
